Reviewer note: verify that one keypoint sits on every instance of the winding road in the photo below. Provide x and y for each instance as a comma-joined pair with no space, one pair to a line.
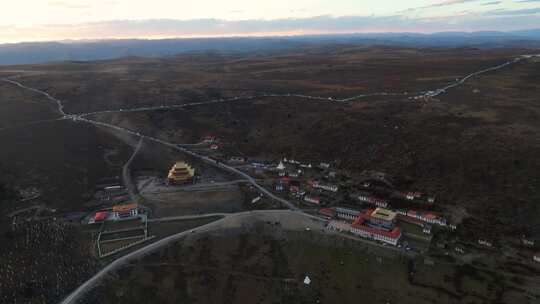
126,174
116,264
82,117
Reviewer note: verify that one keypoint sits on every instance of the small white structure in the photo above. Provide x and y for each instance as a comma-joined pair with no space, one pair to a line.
280,166
307,280
536,257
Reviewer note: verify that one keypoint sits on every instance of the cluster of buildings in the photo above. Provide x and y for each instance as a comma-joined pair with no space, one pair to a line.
318,185
416,196
115,213
181,173
376,224
368,198
427,217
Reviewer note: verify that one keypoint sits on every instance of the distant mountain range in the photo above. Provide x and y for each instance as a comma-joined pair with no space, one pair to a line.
41,52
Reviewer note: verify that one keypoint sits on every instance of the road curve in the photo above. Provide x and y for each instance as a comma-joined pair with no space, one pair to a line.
116,264
59,104
126,173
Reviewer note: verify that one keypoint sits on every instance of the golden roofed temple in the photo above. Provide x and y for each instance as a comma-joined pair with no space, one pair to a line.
181,173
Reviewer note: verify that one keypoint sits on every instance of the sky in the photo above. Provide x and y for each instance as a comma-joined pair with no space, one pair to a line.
46,20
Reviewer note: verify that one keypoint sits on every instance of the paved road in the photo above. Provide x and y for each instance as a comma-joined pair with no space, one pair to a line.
429,93
201,157
187,217
59,104
126,174
116,264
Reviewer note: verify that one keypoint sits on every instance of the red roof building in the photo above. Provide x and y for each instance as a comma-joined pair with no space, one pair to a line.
360,227
101,216
328,212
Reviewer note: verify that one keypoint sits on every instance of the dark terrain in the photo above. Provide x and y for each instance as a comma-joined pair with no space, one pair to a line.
475,148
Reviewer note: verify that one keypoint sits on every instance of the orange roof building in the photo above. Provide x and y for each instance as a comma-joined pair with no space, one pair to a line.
127,210
181,173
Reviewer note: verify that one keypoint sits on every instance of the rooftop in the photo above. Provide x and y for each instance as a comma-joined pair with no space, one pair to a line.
383,214
127,207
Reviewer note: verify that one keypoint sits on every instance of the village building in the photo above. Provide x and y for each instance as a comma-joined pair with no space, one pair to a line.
237,160
313,200
331,188
180,173
485,243
280,166
367,198
99,217
411,195
324,165
379,225
327,212
527,242
427,217
426,228
209,139
125,211
382,218
346,214
536,257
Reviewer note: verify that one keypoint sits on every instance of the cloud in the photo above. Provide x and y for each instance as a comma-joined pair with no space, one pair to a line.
492,3
170,28
527,1
448,3
527,11
65,4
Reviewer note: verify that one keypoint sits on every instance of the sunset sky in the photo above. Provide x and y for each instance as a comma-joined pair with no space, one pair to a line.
38,20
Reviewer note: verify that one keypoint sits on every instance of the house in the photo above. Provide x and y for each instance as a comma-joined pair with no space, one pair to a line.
209,139
381,218
427,217
99,217
411,195
536,257
280,166
367,198
294,189
317,185
125,211
459,249
180,173
237,160
426,228
369,225
214,147
324,165
527,242
485,243
327,212
346,214
313,200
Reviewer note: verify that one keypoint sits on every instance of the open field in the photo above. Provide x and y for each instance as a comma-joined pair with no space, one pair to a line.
475,148
267,265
